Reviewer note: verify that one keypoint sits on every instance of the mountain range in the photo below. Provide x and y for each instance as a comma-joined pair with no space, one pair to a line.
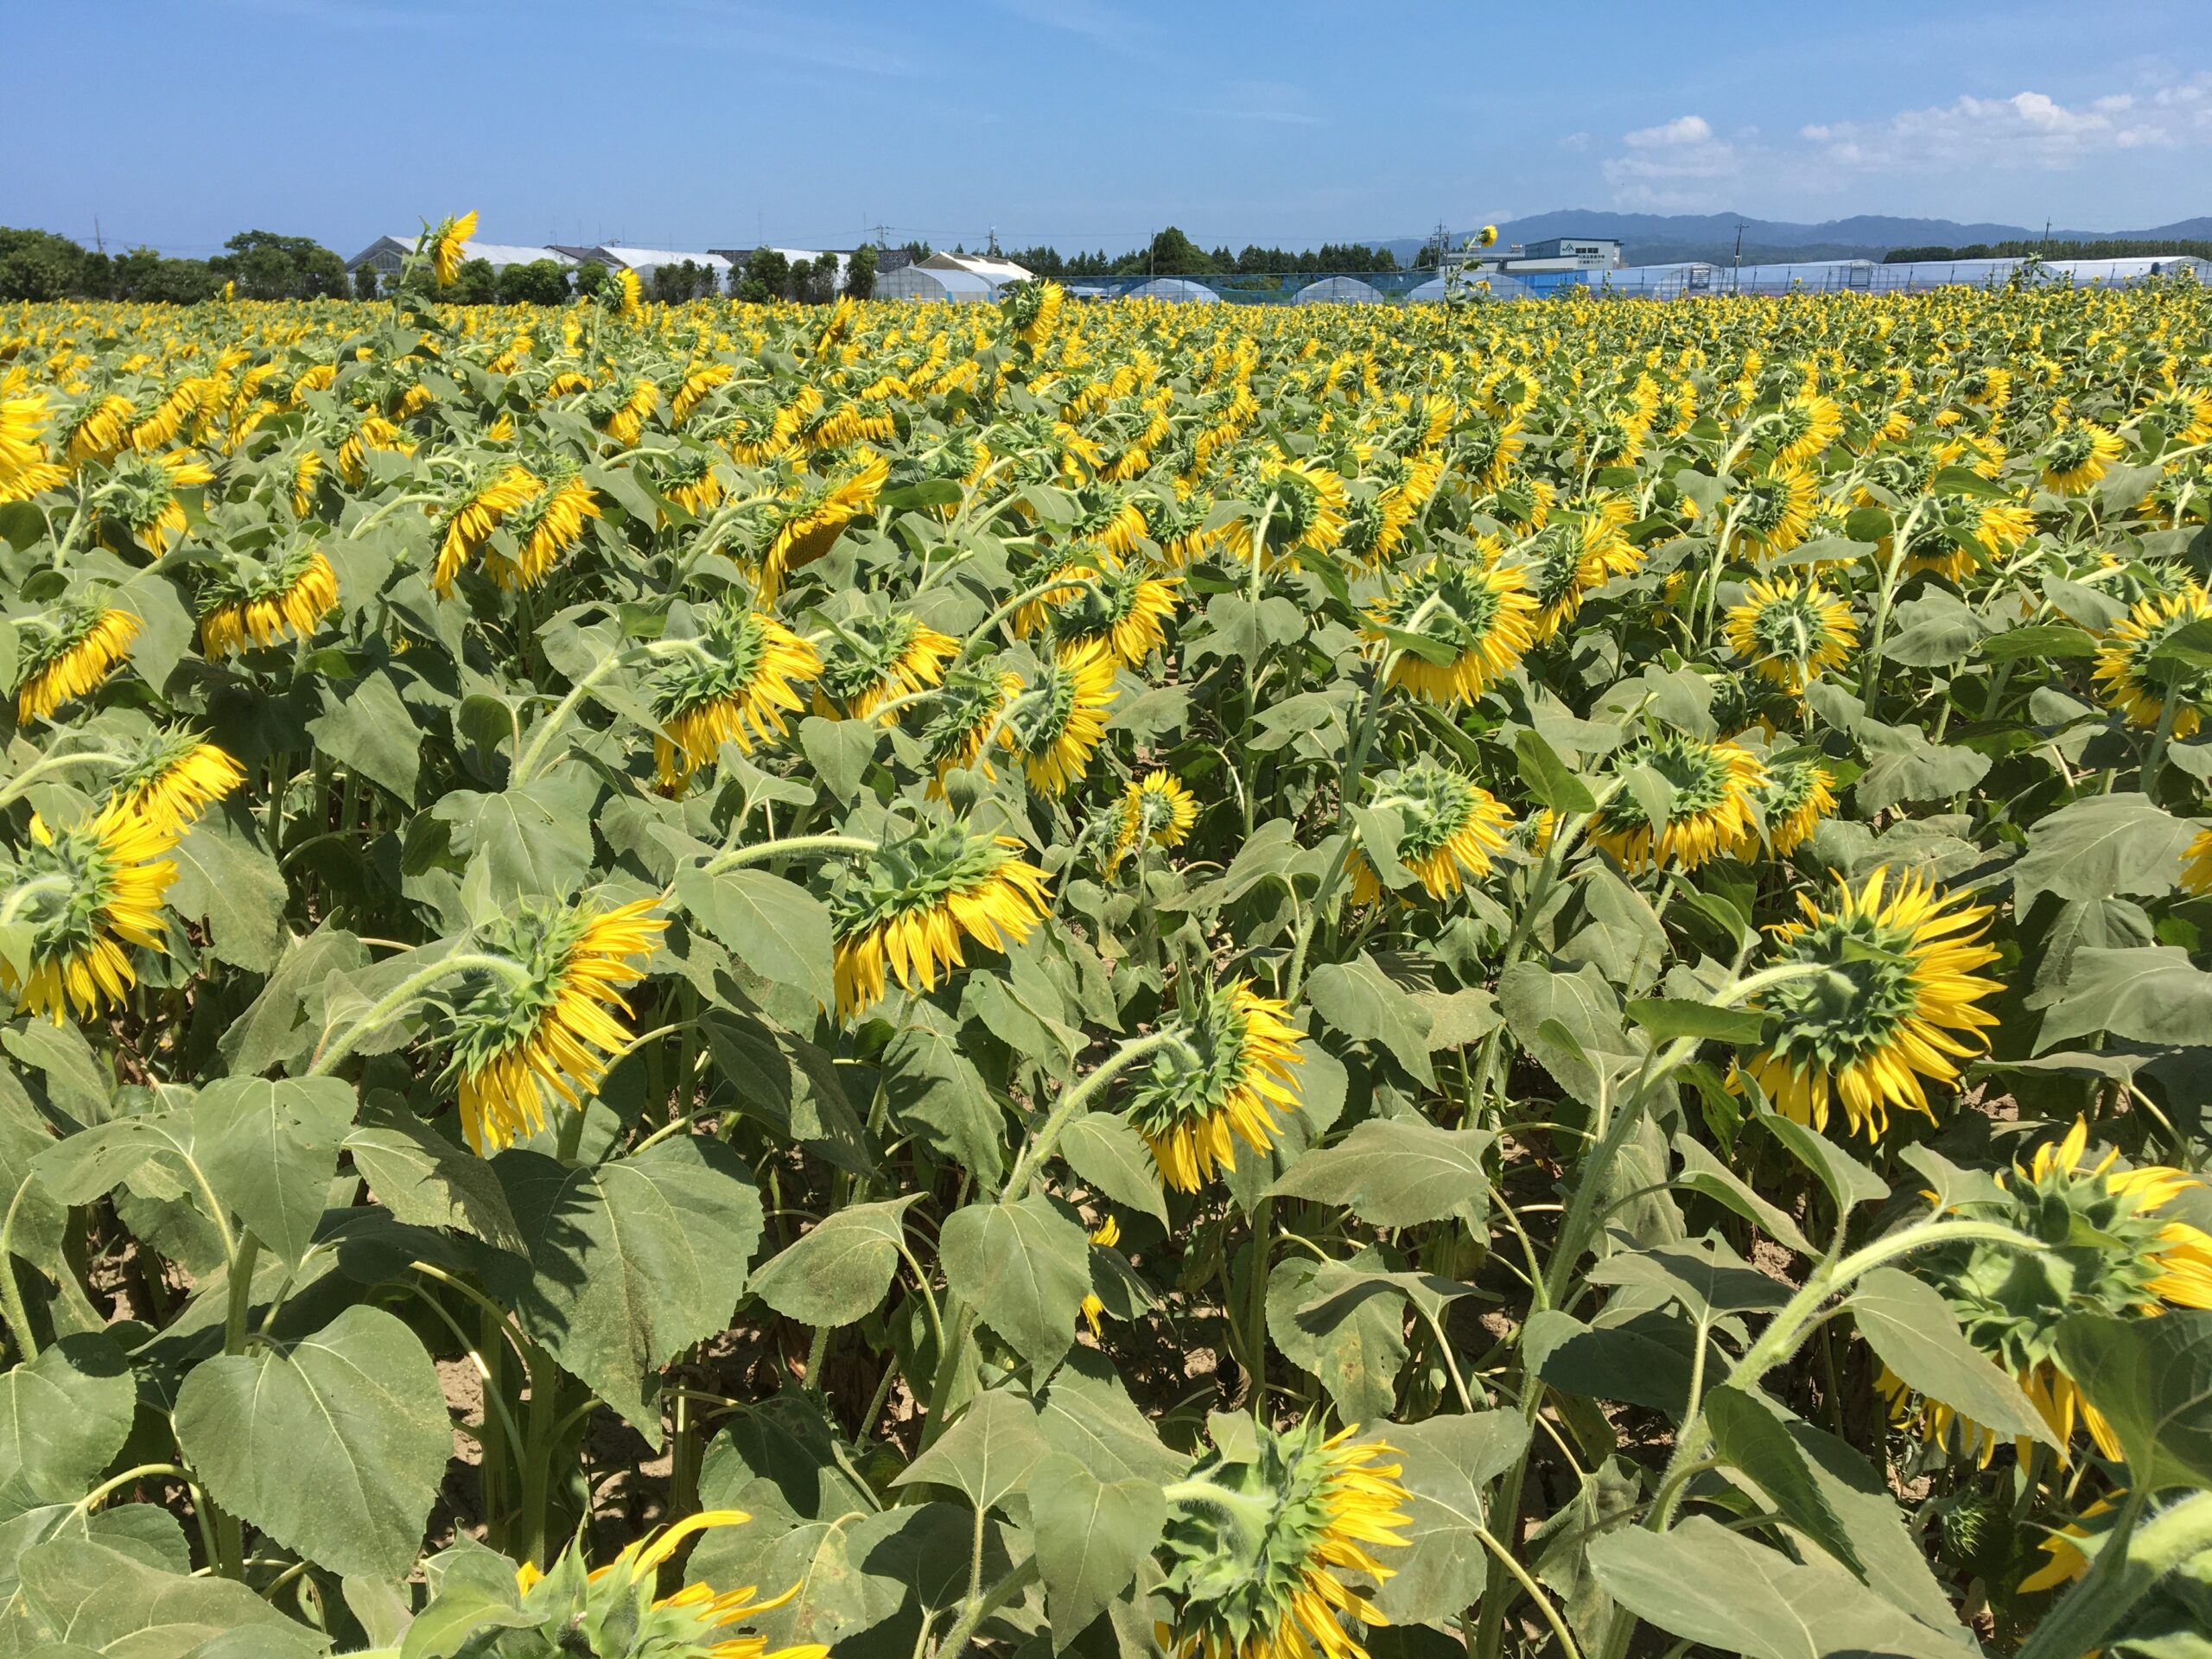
1664,238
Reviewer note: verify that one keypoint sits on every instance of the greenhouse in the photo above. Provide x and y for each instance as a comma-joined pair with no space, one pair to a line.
1176,290
935,287
1339,291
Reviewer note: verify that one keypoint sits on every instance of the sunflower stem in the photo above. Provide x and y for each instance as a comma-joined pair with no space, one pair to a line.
790,847
382,1013
1052,585
2129,1564
11,1292
23,780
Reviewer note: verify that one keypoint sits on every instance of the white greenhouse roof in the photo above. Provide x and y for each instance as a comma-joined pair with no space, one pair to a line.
1178,290
1338,290
643,259
934,284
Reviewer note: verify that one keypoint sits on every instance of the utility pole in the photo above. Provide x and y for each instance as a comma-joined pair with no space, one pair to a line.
99,241
1737,283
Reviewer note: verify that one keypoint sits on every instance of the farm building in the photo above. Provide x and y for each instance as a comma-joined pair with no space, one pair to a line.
385,254
1582,252
935,286
1339,291
995,271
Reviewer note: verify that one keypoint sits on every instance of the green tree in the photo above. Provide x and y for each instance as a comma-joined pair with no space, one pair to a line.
768,276
540,282
1173,254
814,282
364,282
860,272
38,265
591,277
476,284
267,266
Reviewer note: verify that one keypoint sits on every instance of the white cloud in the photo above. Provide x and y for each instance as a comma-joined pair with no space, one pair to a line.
1576,141
1683,129
1681,163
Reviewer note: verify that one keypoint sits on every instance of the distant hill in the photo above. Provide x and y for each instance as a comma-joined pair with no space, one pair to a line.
1666,239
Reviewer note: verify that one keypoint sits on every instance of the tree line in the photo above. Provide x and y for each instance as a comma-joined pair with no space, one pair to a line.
1172,253
2027,247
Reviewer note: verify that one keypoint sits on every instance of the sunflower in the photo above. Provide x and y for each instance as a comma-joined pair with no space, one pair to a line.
1792,798
1804,426
735,686
1057,722
614,1609
1708,812
1258,1544
26,470
1033,308
544,528
1124,612
628,407
1223,1081
1154,810
2106,1244
1790,634
97,431
970,714
1107,516
872,659
84,895
1774,512
306,468
141,495
626,293
903,910
1484,618
2067,1563
2076,455
1105,1236
698,383
688,479
2196,863
1897,1000
1452,826
544,1031
448,245
470,520
2186,415
71,656
1309,511
256,605
2139,687
173,778
811,521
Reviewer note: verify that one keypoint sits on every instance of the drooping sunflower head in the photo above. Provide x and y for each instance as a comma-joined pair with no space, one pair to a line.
614,1609
85,893
1774,511
734,684
1268,1552
255,602
2140,685
1793,796
1895,999
1803,427
142,496
1032,309
2196,863
70,654
447,245
902,911
544,1033
1310,503
1059,721
1791,633
97,430
172,778
1486,448
1124,611
807,524
2185,413
876,657
470,516
1154,810
545,528
1683,800
1222,1081
2078,454
2106,1244
1484,617
1450,828
626,294
968,720
689,479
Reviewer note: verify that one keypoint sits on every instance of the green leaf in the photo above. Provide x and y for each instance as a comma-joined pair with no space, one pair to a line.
225,878
1849,1182
1547,777
1703,1582
1749,1433
1111,1156
2041,640
1397,1173
1667,1018
534,841
987,1454
936,1090
1024,1267
629,1262
1091,1537
1912,1330
366,724
840,751
775,927
1904,765
1933,630
1708,1278
334,1447
2148,995
838,1273
91,1598
269,1149
1354,1341
63,1417
1448,1462
1362,1002
427,1181
2152,1380
1087,1413
1703,1173
2100,845
280,1026
1571,1023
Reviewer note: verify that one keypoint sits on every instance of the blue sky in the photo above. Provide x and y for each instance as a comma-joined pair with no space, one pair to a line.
1091,123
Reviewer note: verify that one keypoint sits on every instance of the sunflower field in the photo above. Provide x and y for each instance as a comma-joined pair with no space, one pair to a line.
1225,983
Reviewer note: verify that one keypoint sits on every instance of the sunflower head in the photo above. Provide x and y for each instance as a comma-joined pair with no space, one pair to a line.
1125,610
251,602
905,911
70,654
1452,827
1793,796
1057,722
84,895
1223,1081
1706,790
1484,617
734,684
876,658
1154,810
1894,1000
1033,309
1791,633
1267,1551
544,1031
447,245
173,777
1774,512
614,1609
2140,684
2077,454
